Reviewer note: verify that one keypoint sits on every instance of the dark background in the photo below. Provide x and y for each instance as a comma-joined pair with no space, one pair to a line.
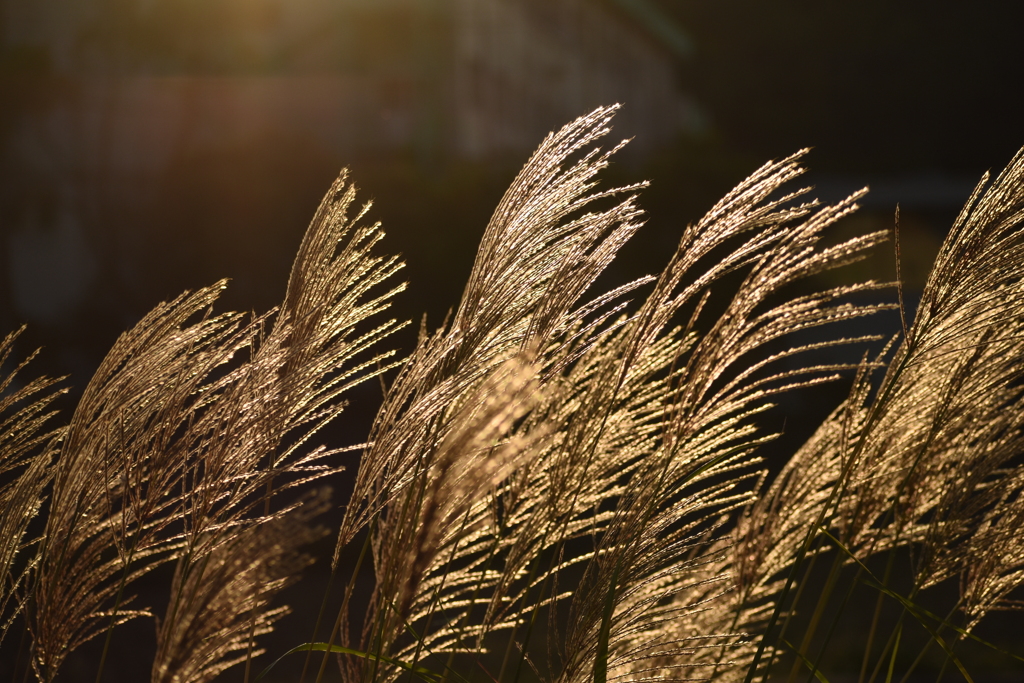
914,98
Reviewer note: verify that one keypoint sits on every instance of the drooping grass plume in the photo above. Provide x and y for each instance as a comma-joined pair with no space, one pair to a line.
659,572
120,469
929,458
331,292
538,255
532,266
252,445
189,427
647,432
27,447
942,426
559,484
222,607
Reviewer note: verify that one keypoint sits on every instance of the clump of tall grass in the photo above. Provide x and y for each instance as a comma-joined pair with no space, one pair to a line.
558,484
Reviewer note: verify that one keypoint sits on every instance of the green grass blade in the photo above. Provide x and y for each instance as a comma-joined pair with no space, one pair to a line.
420,672
919,613
895,650
808,663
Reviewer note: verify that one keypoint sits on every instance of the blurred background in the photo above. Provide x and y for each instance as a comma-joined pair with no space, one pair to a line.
152,146
149,146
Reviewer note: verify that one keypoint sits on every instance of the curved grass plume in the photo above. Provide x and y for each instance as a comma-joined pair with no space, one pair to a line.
559,485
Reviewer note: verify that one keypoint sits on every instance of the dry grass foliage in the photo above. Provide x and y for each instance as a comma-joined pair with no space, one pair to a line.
567,481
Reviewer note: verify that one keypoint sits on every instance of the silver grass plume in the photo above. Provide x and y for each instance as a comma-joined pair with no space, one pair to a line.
533,263
928,459
116,490
252,445
257,433
538,254
541,461
188,431
240,577
656,576
941,441
643,438
26,445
